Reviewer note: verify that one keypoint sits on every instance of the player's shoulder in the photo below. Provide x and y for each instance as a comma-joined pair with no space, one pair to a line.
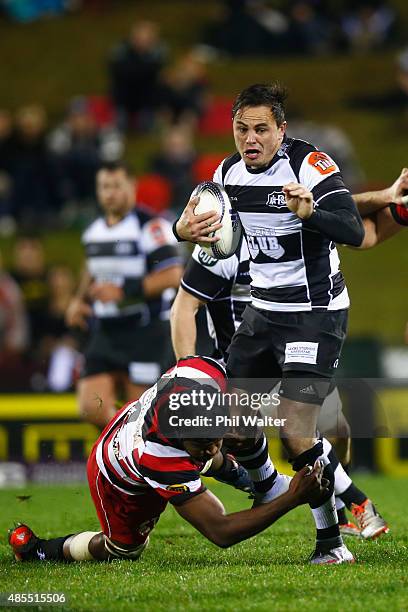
296,150
95,227
227,164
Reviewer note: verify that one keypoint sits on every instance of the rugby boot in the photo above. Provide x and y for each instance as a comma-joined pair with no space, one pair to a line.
349,529
337,555
24,542
370,522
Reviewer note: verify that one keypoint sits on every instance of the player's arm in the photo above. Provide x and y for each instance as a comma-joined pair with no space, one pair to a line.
78,308
207,514
380,226
183,323
371,201
336,216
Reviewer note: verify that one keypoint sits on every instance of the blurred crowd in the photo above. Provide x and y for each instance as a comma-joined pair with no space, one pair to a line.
47,172
257,27
37,350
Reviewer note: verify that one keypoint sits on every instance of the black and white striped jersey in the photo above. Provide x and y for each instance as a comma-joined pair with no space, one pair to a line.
224,284
124,253
292,267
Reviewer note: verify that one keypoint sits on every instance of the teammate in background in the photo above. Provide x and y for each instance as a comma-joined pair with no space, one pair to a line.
294,207
131,261
142,461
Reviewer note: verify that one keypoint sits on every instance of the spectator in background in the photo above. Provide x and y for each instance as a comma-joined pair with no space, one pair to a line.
34,196
14,333
60,345
175,163
134,68
368,25
184,90
79,147
30,273
310,29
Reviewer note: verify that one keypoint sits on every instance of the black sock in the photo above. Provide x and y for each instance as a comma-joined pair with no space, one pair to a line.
341,515
48,550
353,495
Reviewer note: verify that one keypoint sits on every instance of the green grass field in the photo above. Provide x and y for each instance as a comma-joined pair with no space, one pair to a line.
182,571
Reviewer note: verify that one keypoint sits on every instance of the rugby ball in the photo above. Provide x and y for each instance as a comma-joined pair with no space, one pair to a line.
214,197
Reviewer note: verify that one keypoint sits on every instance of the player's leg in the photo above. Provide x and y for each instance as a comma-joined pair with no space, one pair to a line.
126,520
148,354
251,364
84,546
334,426
308,345
96,396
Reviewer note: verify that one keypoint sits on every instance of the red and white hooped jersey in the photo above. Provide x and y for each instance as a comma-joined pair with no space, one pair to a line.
134,455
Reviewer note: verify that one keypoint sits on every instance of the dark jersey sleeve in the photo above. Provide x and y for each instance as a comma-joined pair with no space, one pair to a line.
203,284
338,219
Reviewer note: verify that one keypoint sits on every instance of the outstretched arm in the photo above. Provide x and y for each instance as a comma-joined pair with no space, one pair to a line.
371,201
206,513
379,227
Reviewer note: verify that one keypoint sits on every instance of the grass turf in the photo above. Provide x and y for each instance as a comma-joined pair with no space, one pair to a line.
182,571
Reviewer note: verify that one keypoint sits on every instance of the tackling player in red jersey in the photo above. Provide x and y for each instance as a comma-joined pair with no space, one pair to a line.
143,460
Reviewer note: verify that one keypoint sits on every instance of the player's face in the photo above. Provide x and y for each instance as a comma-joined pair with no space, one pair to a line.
202,450
257,136
113,191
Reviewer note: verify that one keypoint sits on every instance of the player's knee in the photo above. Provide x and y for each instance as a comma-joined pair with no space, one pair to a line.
118,550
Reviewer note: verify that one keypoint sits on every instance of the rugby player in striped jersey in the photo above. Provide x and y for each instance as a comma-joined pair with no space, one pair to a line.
143,460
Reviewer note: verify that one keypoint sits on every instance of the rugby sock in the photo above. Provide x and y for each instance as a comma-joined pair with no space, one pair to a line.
325,515
341,511
260,468
47,550
343,485
353,495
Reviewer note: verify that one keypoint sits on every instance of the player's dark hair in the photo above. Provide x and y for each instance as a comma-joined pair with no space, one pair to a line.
259,94
113,166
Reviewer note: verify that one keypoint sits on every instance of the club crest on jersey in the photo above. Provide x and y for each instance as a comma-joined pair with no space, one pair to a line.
276,199
206,260
322,162
178,488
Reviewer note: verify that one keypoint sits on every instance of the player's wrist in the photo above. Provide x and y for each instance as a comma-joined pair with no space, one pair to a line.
176,231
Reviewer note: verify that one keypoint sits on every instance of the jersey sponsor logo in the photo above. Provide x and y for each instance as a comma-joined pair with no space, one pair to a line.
276,199
322,162
301,352
178,488
266,245
206,260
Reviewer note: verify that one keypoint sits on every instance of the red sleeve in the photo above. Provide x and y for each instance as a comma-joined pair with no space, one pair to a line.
400,213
